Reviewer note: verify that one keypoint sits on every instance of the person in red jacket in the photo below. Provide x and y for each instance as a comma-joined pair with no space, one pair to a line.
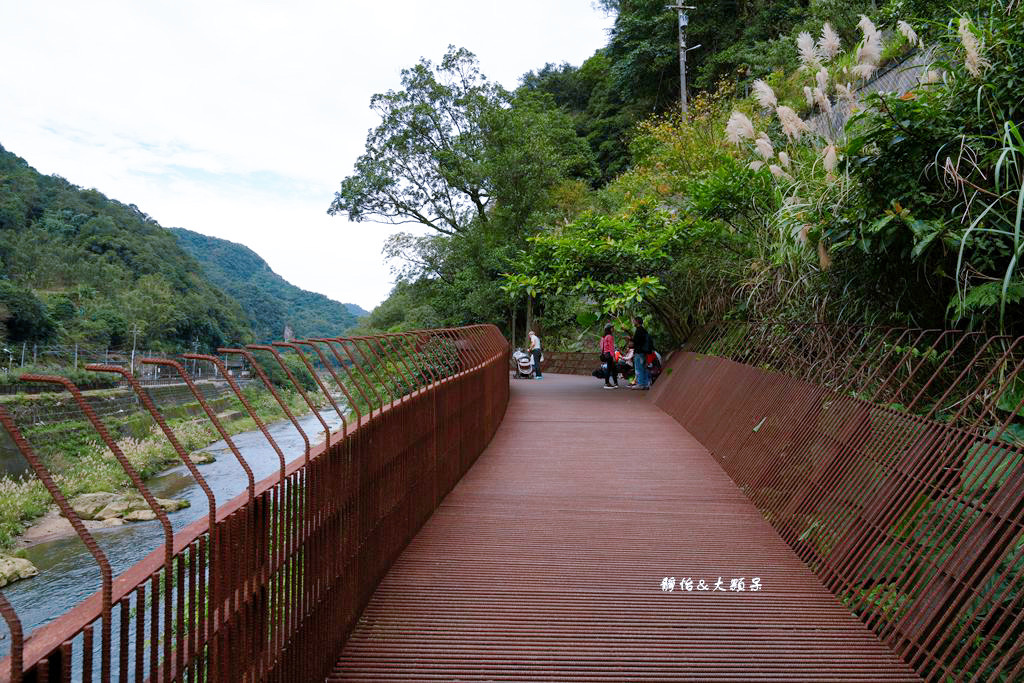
608,358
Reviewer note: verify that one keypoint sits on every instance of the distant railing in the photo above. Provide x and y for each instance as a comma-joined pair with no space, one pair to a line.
891,460
268,585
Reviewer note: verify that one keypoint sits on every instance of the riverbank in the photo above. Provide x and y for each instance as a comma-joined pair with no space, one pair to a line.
68,573
81,465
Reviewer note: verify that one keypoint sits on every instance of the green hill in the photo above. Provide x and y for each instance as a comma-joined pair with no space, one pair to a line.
270,301
79,268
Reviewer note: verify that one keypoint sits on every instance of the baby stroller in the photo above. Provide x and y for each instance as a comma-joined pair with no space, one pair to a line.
523,362
653,366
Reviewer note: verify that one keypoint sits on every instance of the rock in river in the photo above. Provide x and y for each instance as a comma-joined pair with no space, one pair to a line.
129,506
15,568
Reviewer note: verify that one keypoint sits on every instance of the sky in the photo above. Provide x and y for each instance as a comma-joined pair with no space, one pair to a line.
239,119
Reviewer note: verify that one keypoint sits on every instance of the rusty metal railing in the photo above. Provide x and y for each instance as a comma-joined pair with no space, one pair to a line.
891,460
268,585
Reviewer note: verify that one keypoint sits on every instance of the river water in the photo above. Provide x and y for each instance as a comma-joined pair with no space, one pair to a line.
67,572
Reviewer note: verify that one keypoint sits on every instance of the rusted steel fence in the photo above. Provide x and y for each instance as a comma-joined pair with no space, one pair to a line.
268,585
891,460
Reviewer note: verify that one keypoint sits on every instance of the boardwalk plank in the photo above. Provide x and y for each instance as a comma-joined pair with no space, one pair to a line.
546,563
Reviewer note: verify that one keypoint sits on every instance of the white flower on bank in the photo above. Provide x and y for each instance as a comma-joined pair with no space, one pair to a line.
738,128
821,78
973,61
865,70
866,26
778,172
755,165
830,158
829,45
869,52
808,52
931,76
846,93
809,96
784,160
909,33
764,146
792,124
764,94
822,100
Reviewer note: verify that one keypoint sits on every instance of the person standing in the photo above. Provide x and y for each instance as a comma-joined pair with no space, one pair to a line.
608,358
626,362
536,354
641,347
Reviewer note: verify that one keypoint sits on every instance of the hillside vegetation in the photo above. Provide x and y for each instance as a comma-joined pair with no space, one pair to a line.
78,267
585,194
270,302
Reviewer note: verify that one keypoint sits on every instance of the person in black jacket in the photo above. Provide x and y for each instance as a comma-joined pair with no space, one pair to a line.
641,347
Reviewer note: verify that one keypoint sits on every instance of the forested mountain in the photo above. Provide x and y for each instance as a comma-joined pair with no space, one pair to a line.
269,300
78,267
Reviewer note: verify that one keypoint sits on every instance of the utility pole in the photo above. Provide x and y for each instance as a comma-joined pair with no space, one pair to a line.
684,21
135,339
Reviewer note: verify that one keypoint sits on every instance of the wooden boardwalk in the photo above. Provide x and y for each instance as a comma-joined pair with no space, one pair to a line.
548,562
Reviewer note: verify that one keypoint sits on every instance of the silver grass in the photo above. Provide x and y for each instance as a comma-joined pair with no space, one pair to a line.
829,45
738,128
764,94
792,125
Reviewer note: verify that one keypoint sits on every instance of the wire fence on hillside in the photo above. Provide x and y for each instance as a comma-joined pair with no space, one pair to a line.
901,76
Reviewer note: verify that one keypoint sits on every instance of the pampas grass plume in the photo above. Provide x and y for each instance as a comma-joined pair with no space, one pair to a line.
792,124
973,61
764,94
778,172
822,100
908,32
738,128
830,158
808,52
865,70
829,45
821,78
866,26
846,93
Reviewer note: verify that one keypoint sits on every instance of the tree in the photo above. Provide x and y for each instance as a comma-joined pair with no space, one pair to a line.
424,162
27,318
479,166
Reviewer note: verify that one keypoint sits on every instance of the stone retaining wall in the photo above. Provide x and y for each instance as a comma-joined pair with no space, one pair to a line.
570,362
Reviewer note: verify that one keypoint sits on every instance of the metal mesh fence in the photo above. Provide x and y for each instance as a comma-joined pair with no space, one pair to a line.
892,461
268,585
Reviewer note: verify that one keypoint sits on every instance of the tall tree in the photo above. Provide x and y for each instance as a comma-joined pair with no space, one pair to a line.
424,162
474,163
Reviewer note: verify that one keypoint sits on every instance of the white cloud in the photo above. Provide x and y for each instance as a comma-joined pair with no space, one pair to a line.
239,119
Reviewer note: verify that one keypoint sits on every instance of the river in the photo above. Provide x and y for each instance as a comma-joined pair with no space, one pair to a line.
67,572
